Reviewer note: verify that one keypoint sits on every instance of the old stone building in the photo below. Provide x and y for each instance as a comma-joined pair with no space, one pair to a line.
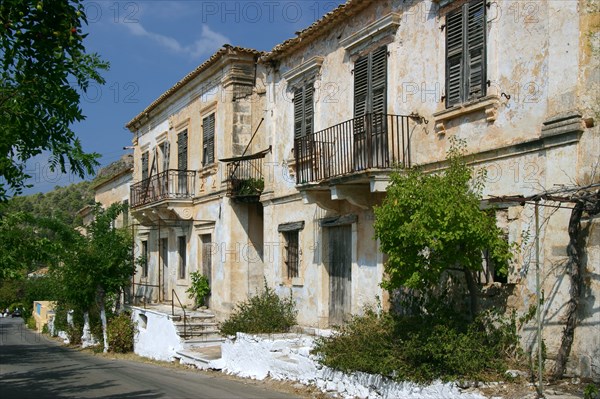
371,85
193,211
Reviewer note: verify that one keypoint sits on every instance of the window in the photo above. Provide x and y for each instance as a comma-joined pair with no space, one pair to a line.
145,158
465,53
182,162
206,242
370,92
303,110
370,83
292,252
182,150
144,258
164,150
208,140
182,256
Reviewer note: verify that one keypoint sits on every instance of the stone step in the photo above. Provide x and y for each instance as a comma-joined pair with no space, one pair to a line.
200,357
201,342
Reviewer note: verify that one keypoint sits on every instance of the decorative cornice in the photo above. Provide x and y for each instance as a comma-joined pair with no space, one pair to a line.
303,72
372,33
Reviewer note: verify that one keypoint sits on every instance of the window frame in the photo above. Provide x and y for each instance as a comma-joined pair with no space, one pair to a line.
466,70
304,110
292,253
208,139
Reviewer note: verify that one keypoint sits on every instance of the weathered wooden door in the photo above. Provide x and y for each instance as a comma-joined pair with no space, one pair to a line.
164,257
340,273
206,242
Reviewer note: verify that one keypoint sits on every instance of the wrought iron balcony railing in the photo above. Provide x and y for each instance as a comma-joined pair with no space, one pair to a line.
245,181
373,141
170,184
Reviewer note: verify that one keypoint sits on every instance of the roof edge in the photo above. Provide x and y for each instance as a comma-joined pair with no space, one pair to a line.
225,50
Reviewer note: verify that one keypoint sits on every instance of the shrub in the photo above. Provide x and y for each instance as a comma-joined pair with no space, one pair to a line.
264,313
31,323
420,348
199,288
121,332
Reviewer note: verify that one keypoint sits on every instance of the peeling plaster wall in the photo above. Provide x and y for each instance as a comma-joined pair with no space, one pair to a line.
542,61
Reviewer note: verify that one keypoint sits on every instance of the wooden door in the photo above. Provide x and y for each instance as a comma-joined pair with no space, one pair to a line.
207,262
164,257
340,273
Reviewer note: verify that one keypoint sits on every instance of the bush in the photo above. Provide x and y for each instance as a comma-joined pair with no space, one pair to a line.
121,332
199,288
421,348
264,313
31,323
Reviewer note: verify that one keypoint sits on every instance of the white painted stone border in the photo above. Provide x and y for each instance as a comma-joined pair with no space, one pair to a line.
287,357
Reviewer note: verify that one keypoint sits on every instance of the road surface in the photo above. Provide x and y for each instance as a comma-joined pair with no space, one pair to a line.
32,366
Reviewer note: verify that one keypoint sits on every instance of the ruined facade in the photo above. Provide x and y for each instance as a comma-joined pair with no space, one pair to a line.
371,85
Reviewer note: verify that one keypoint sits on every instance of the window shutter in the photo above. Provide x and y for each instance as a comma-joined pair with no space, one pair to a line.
298,112
361,86
145,165
308,109
379,80
454,58
465,53
476,49
166,155
182,145
208,140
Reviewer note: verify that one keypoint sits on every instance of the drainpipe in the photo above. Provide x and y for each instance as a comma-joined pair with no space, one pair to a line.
539,299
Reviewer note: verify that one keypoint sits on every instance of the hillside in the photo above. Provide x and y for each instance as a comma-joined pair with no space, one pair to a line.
62,202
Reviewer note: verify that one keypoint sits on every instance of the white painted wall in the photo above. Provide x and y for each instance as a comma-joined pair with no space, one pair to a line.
158,339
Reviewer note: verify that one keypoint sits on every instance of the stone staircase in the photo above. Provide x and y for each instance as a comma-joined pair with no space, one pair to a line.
200,337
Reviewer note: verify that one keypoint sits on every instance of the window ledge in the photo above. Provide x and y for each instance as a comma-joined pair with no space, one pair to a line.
489,104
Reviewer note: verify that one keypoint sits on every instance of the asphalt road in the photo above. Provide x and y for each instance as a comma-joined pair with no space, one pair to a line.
32,366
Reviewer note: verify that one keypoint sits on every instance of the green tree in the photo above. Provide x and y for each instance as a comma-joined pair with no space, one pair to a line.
43,68
429,224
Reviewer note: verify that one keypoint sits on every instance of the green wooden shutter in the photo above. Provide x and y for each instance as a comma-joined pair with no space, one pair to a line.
476,49
454,58
208,140
308,109
182,146
361,86
378,81
145,165
298,112
465,53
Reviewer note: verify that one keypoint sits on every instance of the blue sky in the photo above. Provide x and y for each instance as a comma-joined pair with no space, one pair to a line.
150,46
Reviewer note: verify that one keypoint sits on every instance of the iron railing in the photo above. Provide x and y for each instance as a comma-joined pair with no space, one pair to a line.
170,184
245,179
373,141
173,296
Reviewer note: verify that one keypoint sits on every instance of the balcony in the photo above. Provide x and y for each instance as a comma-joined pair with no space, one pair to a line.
168,185
368,143
245,180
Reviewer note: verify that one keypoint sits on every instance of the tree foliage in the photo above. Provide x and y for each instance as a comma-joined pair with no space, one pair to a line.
431,223
43,68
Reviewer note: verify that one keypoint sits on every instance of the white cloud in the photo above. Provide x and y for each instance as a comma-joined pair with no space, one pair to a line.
208,42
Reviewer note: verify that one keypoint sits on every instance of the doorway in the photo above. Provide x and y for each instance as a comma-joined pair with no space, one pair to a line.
164,258
340,273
